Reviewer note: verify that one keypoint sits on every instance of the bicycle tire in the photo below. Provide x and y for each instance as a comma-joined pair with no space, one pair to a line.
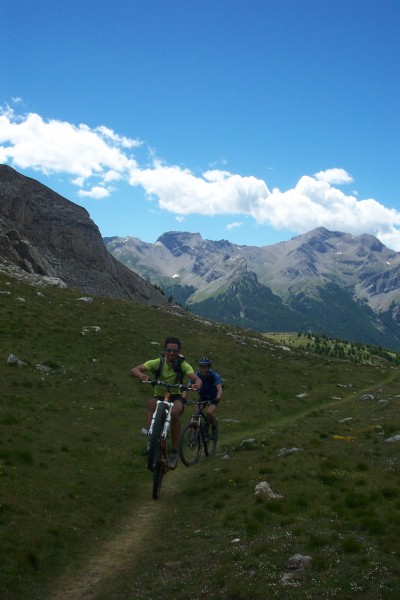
189,445
206,436
212,442
158,474
154,456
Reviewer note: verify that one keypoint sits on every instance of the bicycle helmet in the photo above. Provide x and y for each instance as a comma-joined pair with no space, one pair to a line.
205,362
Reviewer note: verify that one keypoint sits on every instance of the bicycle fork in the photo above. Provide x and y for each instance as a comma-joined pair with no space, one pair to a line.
167,423
197,422
164,431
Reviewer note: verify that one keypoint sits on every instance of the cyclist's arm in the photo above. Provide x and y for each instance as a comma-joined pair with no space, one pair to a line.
220,391
196,381
140,372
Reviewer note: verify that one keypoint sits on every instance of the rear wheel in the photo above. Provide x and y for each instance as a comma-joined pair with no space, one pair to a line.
154,456
212,441
189,445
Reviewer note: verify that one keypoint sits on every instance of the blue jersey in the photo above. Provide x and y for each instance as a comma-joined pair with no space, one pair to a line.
210,381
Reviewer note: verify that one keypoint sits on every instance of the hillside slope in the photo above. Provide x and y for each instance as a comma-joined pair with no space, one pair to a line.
76,514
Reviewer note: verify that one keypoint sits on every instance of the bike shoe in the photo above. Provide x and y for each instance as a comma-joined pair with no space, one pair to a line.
173,459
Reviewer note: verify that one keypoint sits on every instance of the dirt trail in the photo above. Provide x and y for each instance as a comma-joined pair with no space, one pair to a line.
118,553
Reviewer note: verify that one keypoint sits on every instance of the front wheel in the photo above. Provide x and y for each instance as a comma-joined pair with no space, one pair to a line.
189,445
154,456
158,474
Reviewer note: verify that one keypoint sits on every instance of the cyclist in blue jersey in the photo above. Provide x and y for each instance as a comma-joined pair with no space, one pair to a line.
211,388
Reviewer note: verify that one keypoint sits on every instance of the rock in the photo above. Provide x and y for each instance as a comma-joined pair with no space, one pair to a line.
395,438
248,442
285,451
264,489
13,360
49,240
367,397
298,561
91,329
43,369
294,573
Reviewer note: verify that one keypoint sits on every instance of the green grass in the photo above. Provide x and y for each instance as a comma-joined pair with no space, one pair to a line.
75,494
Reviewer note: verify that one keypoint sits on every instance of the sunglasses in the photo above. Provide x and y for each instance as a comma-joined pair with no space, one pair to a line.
172,350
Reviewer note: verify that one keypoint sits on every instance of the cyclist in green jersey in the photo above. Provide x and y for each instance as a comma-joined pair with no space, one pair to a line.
172,369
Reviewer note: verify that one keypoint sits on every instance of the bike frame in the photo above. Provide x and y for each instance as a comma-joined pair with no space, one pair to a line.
158,455
199,417
195,436
168,405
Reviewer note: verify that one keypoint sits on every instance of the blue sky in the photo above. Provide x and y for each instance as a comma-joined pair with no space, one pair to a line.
246,120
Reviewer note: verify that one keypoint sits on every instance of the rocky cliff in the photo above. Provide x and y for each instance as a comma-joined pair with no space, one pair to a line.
46,238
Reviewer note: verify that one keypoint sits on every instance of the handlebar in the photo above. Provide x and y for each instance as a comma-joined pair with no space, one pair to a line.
198,401
169,386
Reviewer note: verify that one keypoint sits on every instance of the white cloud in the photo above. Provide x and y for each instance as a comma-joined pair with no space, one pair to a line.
313,202
123,141
216,192
337,176
234,225
60,147
96,192
100,154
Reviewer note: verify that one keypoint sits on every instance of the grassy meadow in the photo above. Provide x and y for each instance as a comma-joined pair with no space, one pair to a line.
76,515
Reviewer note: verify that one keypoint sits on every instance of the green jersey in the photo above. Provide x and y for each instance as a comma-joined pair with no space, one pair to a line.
168,374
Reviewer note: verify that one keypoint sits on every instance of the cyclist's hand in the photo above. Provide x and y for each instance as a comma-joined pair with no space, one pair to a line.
144,377
195,386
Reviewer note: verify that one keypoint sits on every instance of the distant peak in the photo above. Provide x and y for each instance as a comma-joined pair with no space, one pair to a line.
177,239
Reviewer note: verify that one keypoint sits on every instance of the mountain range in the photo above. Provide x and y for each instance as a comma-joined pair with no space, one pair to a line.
328,282
325,282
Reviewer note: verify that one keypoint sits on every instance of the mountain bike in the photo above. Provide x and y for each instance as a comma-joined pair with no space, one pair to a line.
157,460
196,436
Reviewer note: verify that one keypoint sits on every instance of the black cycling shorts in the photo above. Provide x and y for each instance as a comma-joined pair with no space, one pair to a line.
174,397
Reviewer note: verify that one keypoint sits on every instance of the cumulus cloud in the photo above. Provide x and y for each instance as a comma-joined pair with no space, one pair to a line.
96,192
95,159
59,147
337,176
215,192
313,203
